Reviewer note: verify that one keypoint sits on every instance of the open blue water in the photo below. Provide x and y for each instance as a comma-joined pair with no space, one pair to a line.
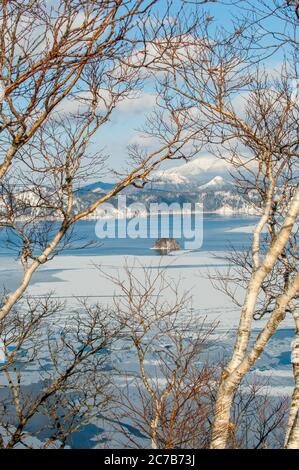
216,237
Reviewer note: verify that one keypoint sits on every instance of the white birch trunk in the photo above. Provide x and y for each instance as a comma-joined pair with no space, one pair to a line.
13,298
239,363
292,434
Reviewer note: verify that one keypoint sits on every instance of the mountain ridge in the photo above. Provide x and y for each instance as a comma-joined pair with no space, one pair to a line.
216,195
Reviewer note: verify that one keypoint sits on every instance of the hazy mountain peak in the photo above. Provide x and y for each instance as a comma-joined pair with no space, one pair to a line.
193,172
218,182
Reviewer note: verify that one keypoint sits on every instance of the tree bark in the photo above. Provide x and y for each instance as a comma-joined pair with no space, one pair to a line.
292,434
231,378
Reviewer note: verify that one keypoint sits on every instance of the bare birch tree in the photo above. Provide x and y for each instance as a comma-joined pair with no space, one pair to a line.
168,402
258,419
170,397
96,55
274,23
53,372
45,47
251,120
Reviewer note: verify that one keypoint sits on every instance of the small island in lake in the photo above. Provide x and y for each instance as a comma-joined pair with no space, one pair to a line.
165,245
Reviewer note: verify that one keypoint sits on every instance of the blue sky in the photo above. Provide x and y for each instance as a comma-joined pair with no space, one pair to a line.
121,131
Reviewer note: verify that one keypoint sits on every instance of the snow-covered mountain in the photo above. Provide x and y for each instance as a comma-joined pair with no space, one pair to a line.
217,183
192,174
203,180
216,195
191,182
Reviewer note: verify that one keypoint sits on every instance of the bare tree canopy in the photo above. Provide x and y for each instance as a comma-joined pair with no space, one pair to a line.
248,116
230,89
65,69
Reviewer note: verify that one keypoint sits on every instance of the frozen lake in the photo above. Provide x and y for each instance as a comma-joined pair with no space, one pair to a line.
75,273
219,233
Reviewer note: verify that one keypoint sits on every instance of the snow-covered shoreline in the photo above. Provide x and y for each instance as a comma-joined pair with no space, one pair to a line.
223,211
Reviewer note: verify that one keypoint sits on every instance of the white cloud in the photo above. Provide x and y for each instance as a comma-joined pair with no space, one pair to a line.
144,102
135,104
143,140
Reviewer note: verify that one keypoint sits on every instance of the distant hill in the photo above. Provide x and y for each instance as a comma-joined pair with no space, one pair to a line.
216,195
98,186
193,182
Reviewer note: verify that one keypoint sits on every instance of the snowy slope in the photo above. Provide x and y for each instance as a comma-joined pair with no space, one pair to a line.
195,172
